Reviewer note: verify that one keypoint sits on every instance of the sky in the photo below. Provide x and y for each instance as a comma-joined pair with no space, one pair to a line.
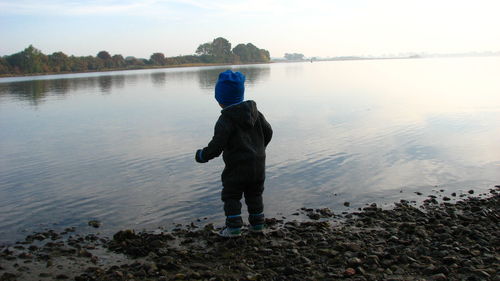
323,28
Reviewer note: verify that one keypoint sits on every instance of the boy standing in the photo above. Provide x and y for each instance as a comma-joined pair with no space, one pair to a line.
241,135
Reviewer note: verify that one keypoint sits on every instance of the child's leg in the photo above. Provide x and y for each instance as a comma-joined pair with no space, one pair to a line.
231,196
253,199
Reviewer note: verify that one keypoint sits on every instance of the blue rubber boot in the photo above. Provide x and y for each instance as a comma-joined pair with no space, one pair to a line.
256,223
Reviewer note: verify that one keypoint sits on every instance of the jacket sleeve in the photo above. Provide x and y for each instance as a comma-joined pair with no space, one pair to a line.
216,145
266,129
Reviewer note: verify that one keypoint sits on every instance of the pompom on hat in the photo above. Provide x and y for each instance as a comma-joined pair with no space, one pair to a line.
230,87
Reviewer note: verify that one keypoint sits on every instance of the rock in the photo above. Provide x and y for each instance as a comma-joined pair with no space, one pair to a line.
347,204
8,277
124,235
372,260
439,277
84,253
25,256
305,260
360,270
157,244
349,272
326,212
94,223
354,261
314,216
471,191
253,277
69,229
288,270
328,252
180,276
200,266
483,274
23,269
430,269
353,247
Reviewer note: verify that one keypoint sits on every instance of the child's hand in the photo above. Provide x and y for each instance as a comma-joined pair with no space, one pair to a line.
199,156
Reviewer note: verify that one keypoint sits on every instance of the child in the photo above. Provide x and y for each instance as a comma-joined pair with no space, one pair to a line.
241,135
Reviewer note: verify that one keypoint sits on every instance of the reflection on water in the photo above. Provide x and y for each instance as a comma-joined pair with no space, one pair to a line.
159,78
35,91
118,146
208,77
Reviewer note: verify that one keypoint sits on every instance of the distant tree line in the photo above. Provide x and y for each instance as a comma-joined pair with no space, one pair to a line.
294,56
32,61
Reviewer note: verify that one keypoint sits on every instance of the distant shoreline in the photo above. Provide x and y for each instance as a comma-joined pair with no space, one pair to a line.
126,68
347,58
351,58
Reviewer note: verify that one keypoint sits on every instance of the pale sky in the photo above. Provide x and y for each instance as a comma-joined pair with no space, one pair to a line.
314,28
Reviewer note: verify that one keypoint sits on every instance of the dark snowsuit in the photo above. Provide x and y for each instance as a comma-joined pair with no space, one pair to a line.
241,134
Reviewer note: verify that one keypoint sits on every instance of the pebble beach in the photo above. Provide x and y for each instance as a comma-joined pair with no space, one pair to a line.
439,239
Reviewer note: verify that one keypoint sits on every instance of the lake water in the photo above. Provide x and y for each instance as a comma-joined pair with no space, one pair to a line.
119,146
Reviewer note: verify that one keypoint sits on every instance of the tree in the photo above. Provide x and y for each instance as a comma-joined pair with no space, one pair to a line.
204,49
217,51
104,55
107,61
250,53
59,61
158,59
118,61
242,52
30,60
4,66
265,56
221,48
78,64
94,63
133,61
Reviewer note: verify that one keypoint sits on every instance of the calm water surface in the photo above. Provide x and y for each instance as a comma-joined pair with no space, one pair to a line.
119,146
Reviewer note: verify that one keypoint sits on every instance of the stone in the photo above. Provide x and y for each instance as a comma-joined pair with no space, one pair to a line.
94,223
354,261
439,277
180,276
349,272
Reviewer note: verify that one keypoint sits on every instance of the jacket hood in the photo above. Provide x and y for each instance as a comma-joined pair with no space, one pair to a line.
245,113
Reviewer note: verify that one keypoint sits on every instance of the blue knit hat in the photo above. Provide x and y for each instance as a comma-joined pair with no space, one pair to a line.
230,87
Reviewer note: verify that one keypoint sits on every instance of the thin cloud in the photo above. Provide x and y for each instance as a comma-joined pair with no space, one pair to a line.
156,6
258,6
78,7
